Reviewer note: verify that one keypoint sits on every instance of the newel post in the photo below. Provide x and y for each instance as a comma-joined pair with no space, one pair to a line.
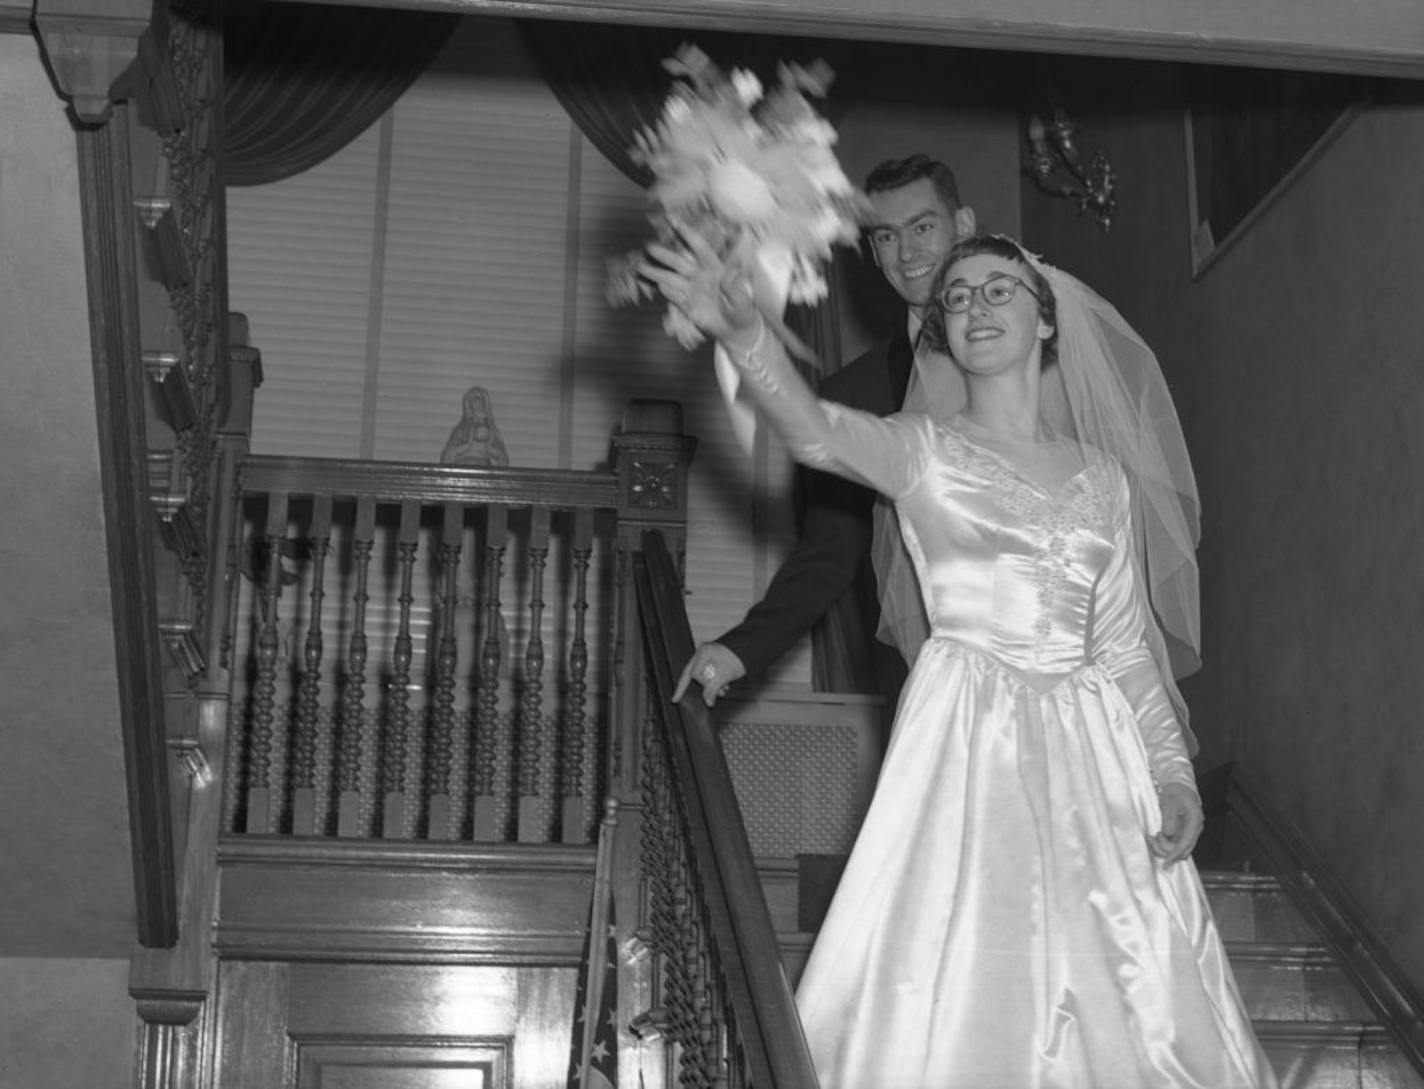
651,457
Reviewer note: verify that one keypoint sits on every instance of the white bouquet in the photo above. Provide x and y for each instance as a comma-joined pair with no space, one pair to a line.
753,173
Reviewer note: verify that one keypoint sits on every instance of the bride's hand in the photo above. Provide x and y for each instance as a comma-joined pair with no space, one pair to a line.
1181,824
715,296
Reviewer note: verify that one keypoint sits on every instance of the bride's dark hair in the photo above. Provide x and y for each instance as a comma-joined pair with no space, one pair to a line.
995,245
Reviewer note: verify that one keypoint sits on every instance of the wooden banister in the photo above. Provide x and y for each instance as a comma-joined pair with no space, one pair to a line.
470,694
395,481
765,1034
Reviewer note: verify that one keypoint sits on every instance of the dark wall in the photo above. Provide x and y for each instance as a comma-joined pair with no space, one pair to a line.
1297,366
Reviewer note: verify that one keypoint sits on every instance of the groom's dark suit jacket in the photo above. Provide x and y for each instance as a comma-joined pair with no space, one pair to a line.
834,544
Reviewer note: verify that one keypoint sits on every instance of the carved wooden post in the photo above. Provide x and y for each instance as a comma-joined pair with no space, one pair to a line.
441,808
652,457
393,805
168,1046
531,714
574,731
309,689
245,369
348,758
261,813
487,728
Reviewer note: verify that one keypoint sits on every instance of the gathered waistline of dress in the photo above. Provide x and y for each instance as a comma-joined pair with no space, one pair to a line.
1043,683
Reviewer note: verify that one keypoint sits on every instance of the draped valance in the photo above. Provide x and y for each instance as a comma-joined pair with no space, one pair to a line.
304,80
611,80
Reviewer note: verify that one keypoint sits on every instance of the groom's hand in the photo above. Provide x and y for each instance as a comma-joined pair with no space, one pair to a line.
712,666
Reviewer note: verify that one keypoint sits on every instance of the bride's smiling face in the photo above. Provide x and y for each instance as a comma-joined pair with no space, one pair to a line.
991,314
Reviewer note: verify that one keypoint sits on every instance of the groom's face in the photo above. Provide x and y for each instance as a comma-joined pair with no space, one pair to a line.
912,228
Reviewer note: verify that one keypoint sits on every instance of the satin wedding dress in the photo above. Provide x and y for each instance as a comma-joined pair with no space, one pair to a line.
1001,923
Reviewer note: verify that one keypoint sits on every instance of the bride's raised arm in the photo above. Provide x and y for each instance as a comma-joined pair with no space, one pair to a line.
885,454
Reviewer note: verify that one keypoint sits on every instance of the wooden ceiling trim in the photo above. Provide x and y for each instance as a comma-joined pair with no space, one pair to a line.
1375,37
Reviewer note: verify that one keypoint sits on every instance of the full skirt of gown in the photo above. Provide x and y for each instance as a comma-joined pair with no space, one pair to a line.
1001,923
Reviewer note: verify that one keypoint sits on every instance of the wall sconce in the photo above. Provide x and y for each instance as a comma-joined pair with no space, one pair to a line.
1057,167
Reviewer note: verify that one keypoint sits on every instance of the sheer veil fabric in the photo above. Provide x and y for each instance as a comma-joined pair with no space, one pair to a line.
1106,391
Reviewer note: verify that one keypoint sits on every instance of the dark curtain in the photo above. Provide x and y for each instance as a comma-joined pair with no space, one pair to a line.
304,80
611,80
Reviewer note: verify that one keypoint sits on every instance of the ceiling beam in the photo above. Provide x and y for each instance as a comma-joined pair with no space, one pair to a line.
1368,37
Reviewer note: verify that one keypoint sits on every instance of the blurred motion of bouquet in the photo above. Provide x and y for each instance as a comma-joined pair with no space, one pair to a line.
751,171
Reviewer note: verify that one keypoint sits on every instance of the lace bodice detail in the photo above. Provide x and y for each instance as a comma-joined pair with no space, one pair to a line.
1083,503
1006,564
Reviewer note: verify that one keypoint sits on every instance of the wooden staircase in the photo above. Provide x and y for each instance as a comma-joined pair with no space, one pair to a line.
1318,1029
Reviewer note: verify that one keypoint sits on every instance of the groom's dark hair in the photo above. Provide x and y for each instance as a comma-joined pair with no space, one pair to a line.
895,173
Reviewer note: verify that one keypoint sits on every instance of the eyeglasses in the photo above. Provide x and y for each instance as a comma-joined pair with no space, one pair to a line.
996,290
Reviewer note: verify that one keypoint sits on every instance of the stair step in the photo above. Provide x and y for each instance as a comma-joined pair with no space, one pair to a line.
1248,907
1317,1028
1296,982
1335,1055
1282,983
1317,1031
1253,907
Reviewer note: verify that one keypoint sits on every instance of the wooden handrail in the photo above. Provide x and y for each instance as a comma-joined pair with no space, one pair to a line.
393,481
771,1038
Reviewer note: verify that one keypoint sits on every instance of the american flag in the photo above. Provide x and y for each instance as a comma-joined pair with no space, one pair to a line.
595,1032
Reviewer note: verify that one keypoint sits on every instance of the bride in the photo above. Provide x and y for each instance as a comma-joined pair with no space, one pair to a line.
1020,909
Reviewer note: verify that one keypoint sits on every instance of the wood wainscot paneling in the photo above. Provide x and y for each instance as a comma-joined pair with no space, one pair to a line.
352,964
323,899
398,1026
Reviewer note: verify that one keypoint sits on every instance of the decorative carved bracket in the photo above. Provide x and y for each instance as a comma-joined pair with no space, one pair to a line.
170,251
175,391
169,492
91,45
189,751
182,643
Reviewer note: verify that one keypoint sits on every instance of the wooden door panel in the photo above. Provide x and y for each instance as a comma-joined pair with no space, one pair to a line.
315,1025
391,1064
252,1049
411,1000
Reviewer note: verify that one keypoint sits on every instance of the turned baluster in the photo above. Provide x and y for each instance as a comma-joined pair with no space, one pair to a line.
309,690
487,713
393,809
685,956
441,819
349,755
260,817
575,727
531,713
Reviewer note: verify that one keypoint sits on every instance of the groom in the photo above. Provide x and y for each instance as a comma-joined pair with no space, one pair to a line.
916,220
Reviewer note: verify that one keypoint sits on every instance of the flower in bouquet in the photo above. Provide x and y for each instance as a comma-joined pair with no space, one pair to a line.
749,170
